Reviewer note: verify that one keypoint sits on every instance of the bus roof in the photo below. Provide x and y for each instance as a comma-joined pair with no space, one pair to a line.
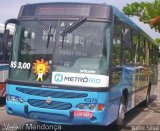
111,8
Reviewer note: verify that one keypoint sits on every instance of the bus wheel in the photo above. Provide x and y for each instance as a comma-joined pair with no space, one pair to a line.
121,112
2,101
147,100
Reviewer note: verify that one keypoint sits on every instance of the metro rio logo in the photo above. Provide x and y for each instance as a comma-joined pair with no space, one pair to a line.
58,77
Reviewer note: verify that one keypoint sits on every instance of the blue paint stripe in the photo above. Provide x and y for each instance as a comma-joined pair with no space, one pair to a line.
4,67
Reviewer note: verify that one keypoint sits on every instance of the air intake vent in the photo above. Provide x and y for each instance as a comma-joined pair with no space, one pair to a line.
53,94
53,105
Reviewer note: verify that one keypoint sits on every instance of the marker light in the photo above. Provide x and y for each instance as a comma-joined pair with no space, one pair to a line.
13,98
100,107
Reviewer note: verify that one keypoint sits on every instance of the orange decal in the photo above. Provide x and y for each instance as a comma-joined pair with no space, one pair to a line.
40,68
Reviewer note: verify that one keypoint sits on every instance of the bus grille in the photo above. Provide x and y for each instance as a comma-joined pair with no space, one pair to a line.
53,105
53,94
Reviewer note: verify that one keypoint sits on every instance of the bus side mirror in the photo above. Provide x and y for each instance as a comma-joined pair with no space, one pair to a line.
4,53
6,37
11,21
126,39
7,32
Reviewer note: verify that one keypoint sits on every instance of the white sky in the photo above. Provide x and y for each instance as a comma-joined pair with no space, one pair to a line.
10,8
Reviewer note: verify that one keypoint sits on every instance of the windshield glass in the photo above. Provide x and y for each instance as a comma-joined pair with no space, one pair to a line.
38,54
84,49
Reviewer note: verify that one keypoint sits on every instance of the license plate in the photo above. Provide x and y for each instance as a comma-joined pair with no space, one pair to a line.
84,114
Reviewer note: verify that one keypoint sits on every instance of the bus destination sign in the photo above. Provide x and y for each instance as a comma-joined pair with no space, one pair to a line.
60,9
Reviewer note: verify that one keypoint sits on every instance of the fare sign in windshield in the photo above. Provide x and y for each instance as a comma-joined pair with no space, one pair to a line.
80,79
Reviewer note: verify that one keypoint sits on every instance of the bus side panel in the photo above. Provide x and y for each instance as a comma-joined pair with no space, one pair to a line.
129,84
3,78
113,107
2,89
154,78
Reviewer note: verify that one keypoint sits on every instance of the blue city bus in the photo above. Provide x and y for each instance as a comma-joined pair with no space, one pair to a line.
78,63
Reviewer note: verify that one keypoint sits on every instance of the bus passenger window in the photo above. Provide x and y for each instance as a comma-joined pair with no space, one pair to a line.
147,52
116,61
134,55
154,55
126,58
150,54
142,51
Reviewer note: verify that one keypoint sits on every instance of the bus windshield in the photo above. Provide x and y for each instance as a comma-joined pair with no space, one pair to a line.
84,50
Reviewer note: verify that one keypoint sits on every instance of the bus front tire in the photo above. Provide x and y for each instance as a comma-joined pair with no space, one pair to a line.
121,112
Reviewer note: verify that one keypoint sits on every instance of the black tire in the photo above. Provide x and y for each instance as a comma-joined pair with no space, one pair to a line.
2,101
148,96
121,112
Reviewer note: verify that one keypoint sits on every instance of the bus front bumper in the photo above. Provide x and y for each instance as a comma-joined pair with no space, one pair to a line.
68,117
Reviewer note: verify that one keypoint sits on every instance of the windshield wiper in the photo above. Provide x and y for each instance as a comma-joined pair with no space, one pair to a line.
73,26
41,23
49,34
48,31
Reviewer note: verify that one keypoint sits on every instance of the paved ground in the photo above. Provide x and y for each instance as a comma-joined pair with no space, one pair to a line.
145,118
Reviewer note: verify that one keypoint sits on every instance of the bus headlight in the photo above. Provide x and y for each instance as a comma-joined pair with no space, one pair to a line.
92,106
81,106
13,98
21,100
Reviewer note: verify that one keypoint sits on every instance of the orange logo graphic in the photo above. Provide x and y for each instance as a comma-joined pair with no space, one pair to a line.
40,68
